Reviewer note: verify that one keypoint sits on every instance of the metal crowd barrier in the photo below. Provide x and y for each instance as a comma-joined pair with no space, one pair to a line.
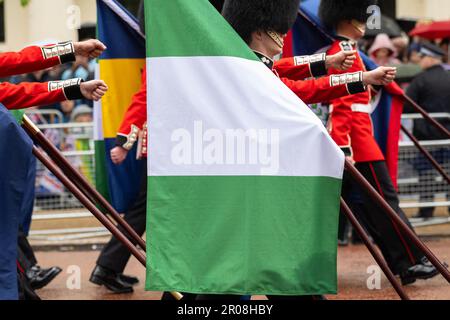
420,186
54,205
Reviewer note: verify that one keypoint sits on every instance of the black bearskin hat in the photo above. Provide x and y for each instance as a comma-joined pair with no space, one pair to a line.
248,16
218,4
331,12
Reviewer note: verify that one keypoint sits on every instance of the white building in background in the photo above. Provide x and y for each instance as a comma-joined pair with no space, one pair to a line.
56,20
423,9
44,20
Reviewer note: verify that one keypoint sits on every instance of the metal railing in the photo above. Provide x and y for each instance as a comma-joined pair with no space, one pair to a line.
53,203
420,186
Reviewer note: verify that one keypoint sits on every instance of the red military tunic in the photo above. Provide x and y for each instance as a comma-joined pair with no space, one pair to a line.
293,71
350,123
32,59
134,124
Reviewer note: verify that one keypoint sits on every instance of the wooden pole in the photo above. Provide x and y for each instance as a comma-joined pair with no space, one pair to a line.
79,180
376,255
428,155
367,187
94,210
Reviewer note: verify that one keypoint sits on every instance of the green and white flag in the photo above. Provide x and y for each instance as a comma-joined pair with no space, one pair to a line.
244,180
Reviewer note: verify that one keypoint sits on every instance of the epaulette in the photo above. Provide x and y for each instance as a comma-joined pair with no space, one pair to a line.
347,45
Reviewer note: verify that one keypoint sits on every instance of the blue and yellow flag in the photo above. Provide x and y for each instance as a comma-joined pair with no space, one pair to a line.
121,68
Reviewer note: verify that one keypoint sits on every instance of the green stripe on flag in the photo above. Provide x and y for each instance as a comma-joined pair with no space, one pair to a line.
219,234
218,221
184,33
18,115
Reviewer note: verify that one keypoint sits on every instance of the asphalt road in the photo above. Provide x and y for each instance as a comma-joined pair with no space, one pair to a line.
354,262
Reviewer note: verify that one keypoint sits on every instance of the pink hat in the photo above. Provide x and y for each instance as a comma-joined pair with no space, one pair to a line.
382,41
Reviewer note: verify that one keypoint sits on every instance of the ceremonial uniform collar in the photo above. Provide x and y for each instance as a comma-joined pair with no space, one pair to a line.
342,38
264,59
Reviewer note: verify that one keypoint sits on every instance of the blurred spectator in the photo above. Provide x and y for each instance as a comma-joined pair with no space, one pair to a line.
79,69
66,108
80,139
445,46
401,45
383,51
83,68
431,90
82,114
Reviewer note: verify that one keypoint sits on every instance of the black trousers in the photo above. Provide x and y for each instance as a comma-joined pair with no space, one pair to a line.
25,253
400,253
115,255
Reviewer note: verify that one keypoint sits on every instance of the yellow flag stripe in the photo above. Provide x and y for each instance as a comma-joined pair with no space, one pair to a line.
123,77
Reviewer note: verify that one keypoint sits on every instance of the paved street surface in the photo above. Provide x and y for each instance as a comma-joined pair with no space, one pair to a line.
353,264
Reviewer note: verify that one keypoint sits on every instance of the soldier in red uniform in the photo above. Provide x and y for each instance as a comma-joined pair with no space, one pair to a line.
36,58
351,128
292,71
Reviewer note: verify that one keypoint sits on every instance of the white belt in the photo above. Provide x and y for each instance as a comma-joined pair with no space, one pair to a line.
363,108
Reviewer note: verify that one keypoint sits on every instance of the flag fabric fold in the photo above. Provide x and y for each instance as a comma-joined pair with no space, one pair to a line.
244,180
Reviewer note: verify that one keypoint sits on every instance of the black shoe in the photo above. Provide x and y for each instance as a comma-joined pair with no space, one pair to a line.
111,280
419,271
39,278
343,243
427,262
130,280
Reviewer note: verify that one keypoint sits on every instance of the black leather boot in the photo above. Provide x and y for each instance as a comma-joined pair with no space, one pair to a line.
421,271
110,279
38,278
130,280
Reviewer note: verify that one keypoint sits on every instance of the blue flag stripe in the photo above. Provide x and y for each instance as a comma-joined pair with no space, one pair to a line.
121,38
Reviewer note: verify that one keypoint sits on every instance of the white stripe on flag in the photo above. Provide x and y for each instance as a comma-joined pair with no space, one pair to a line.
214,119
98,112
